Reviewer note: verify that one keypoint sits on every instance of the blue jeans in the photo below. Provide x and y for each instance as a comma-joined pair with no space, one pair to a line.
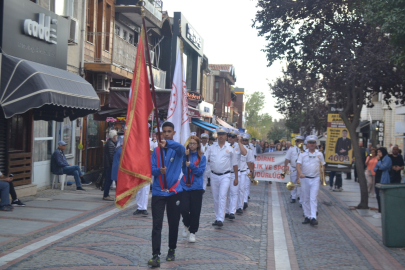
4,191
107,182
75,171
331,177
338,182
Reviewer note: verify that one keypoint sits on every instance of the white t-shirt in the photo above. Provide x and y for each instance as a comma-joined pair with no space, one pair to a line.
292,155
221,159
310,163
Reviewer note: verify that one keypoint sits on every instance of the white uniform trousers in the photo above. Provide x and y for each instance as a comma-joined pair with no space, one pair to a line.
247,187
206,175
296,192
232,195
219,189
309,194
142,198
241,197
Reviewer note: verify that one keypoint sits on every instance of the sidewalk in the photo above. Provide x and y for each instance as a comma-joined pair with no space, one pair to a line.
78,230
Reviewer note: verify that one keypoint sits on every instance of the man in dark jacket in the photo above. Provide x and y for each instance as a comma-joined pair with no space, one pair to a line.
59,165
109,150
343,145
397,165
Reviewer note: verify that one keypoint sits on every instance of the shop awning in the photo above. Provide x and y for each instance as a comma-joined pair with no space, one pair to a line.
224,124
52,93
205,123
202,126
119,98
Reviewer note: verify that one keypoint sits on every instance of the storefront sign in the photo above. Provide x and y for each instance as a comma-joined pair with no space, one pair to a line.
206,109
191,95
338,143
193,113
41,29
269,166
29,31
193,36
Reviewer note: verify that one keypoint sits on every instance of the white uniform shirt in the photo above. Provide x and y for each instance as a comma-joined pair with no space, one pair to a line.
221,159
292,155
310,163
204,148
236,149
152,144
249,157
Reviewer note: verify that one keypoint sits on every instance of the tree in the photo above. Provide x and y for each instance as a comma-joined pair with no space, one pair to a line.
389,17
331,41
254,104
254,133
276,133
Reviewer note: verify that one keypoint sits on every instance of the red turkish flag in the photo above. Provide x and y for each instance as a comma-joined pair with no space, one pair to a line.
135,170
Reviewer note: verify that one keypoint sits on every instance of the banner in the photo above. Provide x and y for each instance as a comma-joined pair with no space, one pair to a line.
338,144
269,166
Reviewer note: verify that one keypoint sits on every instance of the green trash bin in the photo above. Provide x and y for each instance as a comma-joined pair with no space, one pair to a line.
393,214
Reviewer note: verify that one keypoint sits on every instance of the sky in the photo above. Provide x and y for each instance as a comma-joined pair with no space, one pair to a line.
225,26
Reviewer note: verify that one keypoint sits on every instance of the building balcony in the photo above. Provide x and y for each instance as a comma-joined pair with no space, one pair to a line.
132,9
106,52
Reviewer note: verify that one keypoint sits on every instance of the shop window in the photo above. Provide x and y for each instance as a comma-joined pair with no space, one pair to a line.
43,140
92,132
65,133
17,138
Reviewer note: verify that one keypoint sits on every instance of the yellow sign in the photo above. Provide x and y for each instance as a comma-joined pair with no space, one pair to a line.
338,142
293,138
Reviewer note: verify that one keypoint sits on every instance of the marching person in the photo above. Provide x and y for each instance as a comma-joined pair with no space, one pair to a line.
166,192
310,166
233,191
246,170
222,158
291,158
193,168
204,147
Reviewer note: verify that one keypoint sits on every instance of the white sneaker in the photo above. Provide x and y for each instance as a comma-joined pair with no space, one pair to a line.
191,239
185,232
340,189
378,215
113,186
330,188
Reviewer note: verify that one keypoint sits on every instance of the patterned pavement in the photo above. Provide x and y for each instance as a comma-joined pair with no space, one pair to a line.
120,240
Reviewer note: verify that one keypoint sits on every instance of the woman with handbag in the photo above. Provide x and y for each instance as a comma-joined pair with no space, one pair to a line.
371,161
382,170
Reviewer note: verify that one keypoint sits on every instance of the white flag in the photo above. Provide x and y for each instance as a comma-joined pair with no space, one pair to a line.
178,108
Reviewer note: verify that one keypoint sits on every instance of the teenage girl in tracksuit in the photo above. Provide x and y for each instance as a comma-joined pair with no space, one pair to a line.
192,183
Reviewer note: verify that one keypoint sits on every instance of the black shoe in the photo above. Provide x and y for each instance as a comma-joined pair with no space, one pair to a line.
301,205
298,198
306,221
215,223
226,215
220,224
17,203
155,261
239,211
231,216
171,256
292,200
248,197
86,183
80,188
209,183
245,205
138,212
314,222
144,212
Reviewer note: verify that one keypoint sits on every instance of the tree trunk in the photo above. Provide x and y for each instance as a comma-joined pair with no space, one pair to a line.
360,169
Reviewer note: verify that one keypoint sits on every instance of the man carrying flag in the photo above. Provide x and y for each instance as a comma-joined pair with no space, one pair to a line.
134,171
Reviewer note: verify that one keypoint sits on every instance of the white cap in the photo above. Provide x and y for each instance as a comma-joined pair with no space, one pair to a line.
245,136
193,133
222,130
234,131
204,135
311,138
299,137
112,133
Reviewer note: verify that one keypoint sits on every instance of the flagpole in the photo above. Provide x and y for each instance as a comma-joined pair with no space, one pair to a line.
154,97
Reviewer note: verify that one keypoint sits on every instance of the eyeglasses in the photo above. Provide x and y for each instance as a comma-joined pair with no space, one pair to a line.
192,143
232,136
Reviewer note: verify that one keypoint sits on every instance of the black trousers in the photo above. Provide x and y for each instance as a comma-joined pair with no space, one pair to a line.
191,202
12,191
377,195
159,203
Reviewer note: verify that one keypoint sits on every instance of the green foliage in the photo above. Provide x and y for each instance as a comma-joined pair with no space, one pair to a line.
255,102
253,132
277,133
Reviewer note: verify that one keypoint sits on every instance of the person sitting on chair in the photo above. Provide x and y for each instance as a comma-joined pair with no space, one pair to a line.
59,166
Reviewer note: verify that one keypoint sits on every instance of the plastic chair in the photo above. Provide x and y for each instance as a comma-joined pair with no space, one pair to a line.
62,180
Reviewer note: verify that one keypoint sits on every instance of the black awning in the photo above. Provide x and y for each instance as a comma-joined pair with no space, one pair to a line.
52,93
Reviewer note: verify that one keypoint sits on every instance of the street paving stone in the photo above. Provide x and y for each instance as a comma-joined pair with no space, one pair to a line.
123,241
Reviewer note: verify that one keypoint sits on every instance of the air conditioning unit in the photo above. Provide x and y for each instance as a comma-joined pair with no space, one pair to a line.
74,32
102,83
